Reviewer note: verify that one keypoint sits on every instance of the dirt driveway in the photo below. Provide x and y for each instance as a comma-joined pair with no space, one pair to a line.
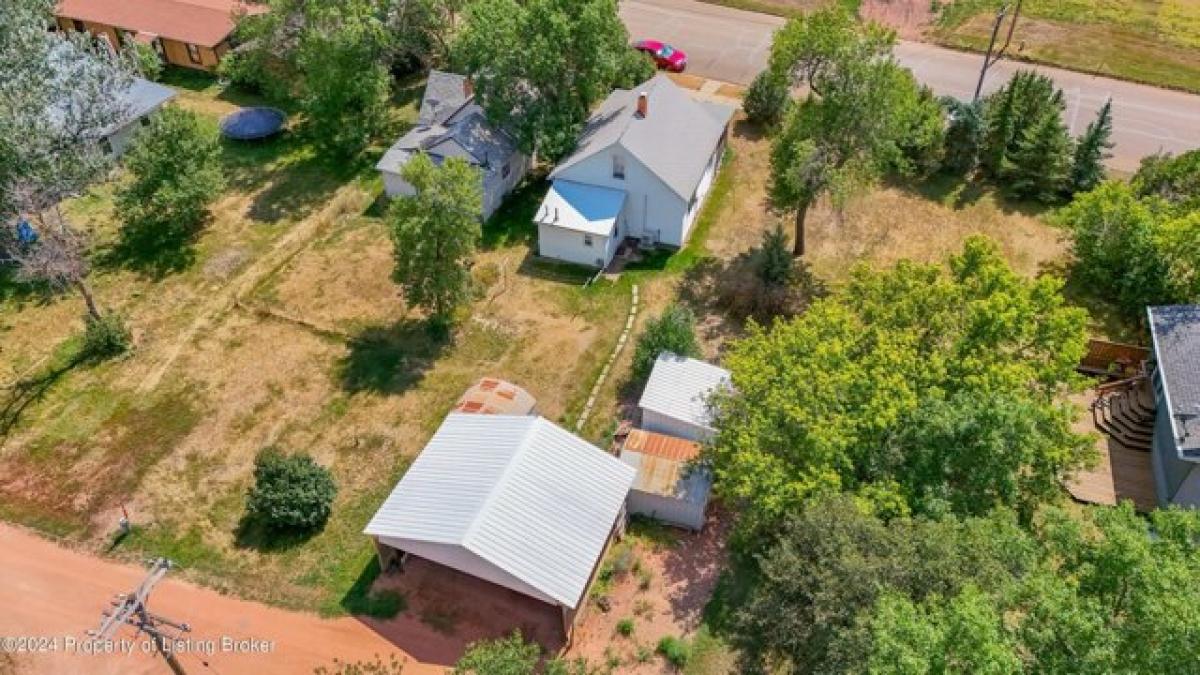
53,592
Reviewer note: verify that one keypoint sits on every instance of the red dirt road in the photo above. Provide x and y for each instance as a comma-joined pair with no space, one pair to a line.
51,592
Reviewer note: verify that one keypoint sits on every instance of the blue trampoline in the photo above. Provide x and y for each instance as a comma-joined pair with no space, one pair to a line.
250,124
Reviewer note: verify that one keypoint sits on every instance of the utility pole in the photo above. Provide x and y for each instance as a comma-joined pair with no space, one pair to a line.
130,609
990,59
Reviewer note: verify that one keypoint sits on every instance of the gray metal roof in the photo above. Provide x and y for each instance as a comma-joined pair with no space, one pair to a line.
144,97
674,140
521,493
450,124
1176,333
679,388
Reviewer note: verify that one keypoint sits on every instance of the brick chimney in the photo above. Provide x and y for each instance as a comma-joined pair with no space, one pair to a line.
643,105
468,87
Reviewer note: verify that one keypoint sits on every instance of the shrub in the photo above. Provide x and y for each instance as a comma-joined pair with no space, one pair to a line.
673,331
149,63
964,135
291,492
675,650
105,337
625,627
645,577
766,99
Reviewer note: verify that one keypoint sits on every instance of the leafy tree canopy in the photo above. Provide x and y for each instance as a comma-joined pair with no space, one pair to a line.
938,388
1175,179
1098,590
176,173
435,233
833,143
672,331
540,65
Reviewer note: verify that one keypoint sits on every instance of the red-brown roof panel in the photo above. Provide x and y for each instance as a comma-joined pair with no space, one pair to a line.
200,22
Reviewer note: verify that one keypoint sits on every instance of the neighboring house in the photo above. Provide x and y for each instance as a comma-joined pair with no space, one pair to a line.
1176,446
675,400
143,98
492,396
139,101
669,487
642,168
188,33
511,499
451,124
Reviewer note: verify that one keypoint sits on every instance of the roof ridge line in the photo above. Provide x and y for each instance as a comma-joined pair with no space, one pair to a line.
501,481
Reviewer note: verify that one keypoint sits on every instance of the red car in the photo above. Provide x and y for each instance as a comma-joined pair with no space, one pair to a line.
664,55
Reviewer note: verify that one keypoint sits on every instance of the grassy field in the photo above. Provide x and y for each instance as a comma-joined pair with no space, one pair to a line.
277,326
1152,41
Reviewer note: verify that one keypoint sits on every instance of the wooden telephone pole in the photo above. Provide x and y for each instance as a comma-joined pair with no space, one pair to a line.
130,609
990,59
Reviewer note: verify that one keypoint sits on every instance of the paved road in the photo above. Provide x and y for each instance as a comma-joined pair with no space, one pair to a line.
732,45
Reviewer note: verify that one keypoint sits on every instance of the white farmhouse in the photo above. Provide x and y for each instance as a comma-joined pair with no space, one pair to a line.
451,124
642,168
675,400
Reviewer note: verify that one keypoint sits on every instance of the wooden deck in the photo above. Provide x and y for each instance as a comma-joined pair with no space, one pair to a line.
1121,474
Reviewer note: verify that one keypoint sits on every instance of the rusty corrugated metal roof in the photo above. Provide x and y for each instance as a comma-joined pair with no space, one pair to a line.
493,396
661,445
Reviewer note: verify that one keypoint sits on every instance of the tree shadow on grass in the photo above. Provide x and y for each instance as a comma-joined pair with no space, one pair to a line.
392,359
361,601
512,223
252,533
153,250
1104,315
16,398
960,192
294,191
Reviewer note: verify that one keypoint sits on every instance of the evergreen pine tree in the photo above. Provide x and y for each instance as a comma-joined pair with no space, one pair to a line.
964,135
1040,167
1087,170
1012,111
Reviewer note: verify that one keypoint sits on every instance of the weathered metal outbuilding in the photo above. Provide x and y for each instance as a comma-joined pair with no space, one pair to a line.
675,400
669,487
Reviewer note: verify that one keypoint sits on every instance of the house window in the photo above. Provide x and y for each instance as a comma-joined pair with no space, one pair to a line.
618,167
587,240
79,27
194,53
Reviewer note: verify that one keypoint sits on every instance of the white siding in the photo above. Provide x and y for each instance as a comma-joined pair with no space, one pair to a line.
495,187
702,190
665,509
658,422
650,208
459,558
562,244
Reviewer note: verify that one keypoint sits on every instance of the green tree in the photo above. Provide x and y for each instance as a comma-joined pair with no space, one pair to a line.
831,143
1040,165
822,401
345,82
175,165
1115,237
435,233
1092,148
503,656
1175,179
767,98
964,135
672,331
52,139
149,63
540,66
291,493
1027,100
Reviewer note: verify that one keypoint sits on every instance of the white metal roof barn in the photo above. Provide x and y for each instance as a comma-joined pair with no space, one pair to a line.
511,499
675,400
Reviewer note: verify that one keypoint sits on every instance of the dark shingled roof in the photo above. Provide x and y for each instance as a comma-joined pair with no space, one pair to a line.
1176,331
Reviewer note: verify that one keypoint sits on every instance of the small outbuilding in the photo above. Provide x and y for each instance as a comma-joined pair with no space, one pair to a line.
492,396
669,486
514,500
675,400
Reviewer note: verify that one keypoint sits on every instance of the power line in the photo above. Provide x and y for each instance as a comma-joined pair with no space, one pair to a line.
130,609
